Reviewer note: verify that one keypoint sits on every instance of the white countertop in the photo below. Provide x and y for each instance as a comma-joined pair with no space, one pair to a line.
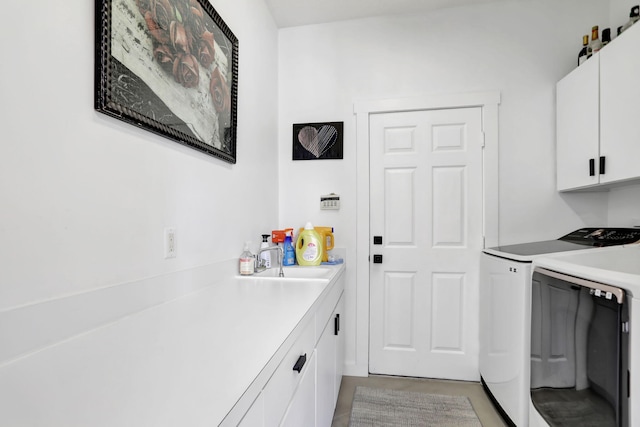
184,362
618,266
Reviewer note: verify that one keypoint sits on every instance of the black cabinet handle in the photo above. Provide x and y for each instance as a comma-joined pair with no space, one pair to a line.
592,167
602,161
300,363
377,259
336,324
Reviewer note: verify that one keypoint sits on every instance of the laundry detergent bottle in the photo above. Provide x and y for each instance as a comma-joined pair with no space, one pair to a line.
309,247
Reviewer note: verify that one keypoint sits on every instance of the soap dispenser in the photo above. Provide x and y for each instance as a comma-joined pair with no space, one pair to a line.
247,261
266,255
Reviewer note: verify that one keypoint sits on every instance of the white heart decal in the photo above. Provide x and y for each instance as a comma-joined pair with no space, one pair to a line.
318,141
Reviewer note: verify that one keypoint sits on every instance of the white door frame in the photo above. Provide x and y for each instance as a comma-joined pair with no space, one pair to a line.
489,102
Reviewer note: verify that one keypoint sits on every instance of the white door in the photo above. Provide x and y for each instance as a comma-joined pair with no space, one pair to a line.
426,209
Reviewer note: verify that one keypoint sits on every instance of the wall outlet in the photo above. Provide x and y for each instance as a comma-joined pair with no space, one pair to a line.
169,243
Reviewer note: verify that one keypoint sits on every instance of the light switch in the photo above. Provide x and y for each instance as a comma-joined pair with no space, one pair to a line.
330,201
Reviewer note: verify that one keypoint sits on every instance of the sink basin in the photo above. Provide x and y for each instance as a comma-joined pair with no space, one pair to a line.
313,273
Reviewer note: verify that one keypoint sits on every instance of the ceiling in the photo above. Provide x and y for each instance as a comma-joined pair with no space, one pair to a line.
292,13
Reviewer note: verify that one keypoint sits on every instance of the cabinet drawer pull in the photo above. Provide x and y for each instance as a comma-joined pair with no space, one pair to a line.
336,324
300,363
592,167
602,165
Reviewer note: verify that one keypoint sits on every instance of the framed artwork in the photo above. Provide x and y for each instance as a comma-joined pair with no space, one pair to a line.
315,141
170,67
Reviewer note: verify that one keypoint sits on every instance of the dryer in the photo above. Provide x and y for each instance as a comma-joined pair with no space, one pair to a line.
505,312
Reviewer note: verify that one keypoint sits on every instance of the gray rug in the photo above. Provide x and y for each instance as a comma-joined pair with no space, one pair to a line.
388,408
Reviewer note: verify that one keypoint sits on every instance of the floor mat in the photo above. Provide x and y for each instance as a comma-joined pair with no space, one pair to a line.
389,408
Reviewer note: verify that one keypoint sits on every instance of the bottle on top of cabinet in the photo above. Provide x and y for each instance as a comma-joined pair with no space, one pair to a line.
606,36
595,43
634,16
583,55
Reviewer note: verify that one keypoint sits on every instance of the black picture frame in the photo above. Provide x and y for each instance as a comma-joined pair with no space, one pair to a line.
169,67
318,141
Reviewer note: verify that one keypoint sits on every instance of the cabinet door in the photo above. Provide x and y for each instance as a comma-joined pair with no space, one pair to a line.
330,352
577,117
620,106
340,346
325,378
302,409
255,415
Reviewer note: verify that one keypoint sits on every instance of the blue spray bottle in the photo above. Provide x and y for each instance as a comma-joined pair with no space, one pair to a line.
289,253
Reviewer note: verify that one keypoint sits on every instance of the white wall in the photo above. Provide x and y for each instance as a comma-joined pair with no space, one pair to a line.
619,13
85,198
519,48
624,206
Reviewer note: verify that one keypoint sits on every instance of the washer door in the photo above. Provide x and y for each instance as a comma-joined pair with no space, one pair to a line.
579,351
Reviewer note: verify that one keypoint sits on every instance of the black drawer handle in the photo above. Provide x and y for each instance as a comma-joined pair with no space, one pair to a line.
592,167
300,363
602,170
336,324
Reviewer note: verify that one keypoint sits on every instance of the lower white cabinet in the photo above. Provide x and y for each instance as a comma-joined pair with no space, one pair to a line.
330,350
285,381
302,409
255,414
303,389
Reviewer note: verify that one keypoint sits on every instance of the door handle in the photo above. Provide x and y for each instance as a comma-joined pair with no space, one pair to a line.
300,363
377,259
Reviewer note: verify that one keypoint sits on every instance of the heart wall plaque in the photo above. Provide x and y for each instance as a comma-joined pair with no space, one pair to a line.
317,141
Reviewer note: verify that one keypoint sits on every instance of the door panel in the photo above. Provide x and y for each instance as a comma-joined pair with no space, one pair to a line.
399,290
397,183
426,202
447,321
448,206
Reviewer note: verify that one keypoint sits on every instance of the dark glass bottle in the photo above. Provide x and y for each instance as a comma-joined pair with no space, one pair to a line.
582,56
634,16
606,36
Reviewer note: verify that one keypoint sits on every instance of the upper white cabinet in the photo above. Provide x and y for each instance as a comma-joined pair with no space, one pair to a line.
620,107
577,126
598,108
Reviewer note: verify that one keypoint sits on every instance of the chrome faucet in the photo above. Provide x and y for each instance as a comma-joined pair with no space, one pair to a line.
260,262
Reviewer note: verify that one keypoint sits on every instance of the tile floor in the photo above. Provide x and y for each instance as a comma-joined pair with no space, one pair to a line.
474,391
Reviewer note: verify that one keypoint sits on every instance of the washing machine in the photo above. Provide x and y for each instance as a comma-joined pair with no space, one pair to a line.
505,312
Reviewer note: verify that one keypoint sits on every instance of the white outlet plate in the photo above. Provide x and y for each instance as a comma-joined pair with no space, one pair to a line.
169,242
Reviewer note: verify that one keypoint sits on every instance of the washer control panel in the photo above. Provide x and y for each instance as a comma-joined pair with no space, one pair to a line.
603,236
